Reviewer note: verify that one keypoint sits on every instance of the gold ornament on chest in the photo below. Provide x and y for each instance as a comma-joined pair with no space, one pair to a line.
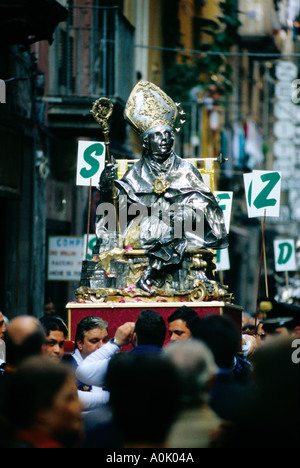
160,185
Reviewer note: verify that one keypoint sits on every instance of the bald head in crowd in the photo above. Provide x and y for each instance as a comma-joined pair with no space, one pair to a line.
24,338
22,327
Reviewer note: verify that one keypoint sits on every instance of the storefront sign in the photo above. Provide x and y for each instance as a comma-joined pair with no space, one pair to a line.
65,256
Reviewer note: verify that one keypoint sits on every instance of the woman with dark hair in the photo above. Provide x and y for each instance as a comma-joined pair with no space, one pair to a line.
42,409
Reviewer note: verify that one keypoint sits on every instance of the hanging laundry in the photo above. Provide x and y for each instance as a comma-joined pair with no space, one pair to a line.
226,150
238,145
214,120
253,145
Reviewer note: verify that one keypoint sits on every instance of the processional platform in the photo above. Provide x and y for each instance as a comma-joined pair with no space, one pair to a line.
108,290
116,313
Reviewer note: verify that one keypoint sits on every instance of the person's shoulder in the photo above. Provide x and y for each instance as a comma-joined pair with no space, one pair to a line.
20,444
70,360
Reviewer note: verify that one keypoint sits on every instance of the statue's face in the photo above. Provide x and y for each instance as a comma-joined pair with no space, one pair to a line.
160,144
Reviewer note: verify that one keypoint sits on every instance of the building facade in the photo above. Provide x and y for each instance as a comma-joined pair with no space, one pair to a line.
23,140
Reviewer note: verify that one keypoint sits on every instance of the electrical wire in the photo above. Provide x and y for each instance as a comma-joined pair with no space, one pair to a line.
221,52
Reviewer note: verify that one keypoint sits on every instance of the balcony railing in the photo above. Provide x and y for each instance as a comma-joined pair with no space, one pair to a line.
92,54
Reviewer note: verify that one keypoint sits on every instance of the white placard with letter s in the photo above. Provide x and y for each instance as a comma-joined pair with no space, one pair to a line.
90,162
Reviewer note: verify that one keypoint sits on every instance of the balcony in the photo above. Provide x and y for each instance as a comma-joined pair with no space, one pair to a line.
92,56
28,21
259,24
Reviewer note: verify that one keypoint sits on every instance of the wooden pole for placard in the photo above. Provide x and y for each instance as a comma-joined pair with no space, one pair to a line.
89,220
260,264
263,223
287,280
221,276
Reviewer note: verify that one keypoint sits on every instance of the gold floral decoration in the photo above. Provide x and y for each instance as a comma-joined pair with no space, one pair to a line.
160,185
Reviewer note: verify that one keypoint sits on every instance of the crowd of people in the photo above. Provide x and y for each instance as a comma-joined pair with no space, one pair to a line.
211,385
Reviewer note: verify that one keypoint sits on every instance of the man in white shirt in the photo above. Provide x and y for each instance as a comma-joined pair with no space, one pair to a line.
93,369
92,346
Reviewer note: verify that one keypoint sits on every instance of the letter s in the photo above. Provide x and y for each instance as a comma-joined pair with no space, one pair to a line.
90,155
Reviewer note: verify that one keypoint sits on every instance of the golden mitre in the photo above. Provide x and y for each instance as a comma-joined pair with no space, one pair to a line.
148,108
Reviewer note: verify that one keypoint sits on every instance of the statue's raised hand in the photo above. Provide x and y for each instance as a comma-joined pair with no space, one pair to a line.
107,177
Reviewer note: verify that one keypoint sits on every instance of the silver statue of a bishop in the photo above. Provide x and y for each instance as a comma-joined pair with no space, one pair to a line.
168,206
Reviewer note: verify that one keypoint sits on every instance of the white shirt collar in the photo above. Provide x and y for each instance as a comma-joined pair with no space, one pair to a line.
77,356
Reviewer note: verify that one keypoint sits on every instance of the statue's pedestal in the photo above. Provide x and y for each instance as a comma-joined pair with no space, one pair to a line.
118,313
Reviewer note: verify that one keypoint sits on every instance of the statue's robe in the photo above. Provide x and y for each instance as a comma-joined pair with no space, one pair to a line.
185,216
